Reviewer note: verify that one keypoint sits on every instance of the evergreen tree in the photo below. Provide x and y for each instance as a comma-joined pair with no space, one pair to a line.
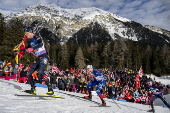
58,49
155,64
105,56
72,48
13,36
165,58
136,57
64,57
128,54
79,59
95,55
86,53
147,60
114,58
118,53
53,53
2,29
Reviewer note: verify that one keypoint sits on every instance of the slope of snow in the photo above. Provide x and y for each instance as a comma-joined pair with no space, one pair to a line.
163,80
13,104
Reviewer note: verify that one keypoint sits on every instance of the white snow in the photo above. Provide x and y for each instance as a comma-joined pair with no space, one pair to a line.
163,80
13,104
52,9
5,13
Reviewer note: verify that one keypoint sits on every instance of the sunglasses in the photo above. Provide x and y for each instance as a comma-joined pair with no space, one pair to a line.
26,33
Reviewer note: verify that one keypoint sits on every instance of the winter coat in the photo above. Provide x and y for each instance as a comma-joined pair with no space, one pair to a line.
61,84
53,79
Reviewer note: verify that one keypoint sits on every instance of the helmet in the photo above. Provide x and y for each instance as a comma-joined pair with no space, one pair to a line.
168,86
92,66
89,66
29,30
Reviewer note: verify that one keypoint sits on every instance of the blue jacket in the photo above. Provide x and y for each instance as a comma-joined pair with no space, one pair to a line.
37,44
154,90
97,75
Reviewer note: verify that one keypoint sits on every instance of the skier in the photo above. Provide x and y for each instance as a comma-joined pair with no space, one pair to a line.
36,45
98,79
155,93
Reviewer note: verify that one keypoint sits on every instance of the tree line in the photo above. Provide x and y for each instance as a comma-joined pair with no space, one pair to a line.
116,54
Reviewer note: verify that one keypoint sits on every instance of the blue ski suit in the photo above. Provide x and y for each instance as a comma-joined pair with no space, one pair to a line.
37,44
98,80
156,93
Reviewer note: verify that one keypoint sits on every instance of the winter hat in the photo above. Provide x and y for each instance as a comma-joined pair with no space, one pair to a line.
29,30
8,63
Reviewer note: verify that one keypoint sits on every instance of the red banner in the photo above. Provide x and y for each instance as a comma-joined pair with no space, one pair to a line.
140,73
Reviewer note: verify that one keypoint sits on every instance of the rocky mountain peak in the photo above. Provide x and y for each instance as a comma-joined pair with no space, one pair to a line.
60,24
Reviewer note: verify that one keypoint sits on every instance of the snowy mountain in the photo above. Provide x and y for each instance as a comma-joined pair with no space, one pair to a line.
6,13
59,24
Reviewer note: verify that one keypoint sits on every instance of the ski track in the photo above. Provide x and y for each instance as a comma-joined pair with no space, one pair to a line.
14,104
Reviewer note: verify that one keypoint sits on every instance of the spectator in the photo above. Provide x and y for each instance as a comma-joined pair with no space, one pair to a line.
8,69
53,79
61,83
76,84
1,69
15,69
23,76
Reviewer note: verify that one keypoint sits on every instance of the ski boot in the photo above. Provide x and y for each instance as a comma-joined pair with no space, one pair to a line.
103,103
33,90
50,90
151,110
88,97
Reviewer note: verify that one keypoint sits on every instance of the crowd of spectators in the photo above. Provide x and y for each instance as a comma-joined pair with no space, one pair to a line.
120,84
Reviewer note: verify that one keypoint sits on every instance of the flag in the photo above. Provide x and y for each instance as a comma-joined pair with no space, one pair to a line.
22,46
139,74
137,81
16,59
19,47
140,71
54,68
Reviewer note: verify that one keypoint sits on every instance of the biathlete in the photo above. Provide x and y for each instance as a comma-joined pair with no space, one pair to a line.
36,45
155,93
98,80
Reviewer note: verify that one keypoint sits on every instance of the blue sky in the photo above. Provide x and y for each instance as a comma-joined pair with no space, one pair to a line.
147,12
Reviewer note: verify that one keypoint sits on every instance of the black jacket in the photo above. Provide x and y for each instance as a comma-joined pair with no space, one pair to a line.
53,79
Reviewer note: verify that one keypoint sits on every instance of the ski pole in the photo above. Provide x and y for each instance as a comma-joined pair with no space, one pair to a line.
116,103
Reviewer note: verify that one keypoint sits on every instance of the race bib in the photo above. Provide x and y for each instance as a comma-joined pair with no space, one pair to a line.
99,78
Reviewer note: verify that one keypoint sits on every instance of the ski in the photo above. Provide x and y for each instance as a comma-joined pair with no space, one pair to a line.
129,106
81,98
90,100
40,95
100,106
26,91
153,111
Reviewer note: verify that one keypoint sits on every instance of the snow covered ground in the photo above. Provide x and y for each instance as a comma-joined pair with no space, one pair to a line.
9,103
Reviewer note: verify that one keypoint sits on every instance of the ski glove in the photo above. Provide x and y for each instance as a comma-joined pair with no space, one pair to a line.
157,93
29,50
